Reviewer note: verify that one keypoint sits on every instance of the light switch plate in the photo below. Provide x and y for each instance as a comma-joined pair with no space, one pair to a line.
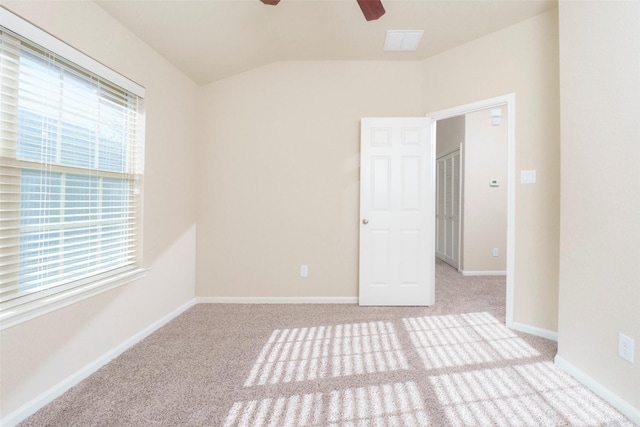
528,177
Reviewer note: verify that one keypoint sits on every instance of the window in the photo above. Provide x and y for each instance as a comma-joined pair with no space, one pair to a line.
71,157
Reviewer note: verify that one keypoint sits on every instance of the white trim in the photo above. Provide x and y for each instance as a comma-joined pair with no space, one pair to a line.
532,330
473,106
14,316
57,390
510,102
483,273
37,35
460,202
613,399
277,300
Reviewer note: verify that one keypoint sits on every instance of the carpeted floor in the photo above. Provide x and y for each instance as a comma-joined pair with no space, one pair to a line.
453,364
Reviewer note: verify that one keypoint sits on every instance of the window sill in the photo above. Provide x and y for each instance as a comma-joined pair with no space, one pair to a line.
36,308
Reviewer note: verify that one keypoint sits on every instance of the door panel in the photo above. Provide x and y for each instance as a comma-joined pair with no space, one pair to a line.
380,169
397,192
409,258
380,245
411,185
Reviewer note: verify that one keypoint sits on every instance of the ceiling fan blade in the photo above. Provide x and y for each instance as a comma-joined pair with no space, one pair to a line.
371,9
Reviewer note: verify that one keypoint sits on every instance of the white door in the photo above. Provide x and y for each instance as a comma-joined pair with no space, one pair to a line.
448,208
397,202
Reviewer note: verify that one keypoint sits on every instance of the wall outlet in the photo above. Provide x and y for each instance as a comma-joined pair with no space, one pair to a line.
304,270
494,252
625,347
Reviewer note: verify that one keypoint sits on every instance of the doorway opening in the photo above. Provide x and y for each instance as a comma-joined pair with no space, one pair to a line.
506,104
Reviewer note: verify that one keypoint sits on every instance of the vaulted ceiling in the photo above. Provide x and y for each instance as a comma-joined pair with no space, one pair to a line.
212,39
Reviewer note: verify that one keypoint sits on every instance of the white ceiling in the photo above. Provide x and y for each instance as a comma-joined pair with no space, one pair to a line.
212,39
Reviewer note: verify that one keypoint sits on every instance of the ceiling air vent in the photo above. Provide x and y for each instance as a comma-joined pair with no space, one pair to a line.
403,39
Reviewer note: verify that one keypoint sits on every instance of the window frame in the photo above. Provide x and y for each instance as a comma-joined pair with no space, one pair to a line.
96,283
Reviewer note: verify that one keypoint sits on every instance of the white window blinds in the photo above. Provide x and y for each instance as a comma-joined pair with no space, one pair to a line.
71,167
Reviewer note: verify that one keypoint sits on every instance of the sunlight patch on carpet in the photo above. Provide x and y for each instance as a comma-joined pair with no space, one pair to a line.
295,410
311,353
464,339
535,394
397,404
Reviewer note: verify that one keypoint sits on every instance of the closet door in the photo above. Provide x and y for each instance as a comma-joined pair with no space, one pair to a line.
453,210
448,209
441,226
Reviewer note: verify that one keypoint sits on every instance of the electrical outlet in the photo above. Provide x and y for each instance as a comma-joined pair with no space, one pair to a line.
495,252
304,270
625,347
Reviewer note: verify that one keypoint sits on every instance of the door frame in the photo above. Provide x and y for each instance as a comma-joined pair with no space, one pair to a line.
509,101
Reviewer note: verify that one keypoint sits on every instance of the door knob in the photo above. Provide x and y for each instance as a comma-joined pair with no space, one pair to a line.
365,221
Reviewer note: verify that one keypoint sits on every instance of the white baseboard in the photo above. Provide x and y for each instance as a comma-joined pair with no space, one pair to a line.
277,300
483,273
539,332
57,390
614,400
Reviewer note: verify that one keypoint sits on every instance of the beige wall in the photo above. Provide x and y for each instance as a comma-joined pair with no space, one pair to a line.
522,59
279,172
449,135
600,249
38,354
485,207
